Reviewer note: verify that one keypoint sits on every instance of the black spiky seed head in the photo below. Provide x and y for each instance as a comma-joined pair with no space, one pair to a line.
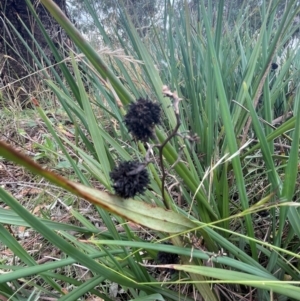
167,258
141,118
129,179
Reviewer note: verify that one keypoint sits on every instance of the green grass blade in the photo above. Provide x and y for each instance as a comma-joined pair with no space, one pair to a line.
229,130
243,278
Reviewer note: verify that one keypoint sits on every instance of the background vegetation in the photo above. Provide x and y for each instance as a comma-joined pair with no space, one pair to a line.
226,202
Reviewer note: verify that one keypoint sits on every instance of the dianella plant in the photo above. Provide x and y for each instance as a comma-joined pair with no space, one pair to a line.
191,133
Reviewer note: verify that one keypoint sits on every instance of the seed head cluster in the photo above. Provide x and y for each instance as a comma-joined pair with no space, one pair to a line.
167,258
141,118
129,179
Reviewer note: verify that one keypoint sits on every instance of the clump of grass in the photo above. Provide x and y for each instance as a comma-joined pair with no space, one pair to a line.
213,159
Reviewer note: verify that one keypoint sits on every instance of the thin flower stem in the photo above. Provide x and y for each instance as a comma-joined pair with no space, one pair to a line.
176,101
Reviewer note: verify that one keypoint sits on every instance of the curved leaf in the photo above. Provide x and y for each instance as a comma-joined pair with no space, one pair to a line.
136,211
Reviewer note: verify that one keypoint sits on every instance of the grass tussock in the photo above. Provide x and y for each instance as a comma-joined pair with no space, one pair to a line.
187,142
